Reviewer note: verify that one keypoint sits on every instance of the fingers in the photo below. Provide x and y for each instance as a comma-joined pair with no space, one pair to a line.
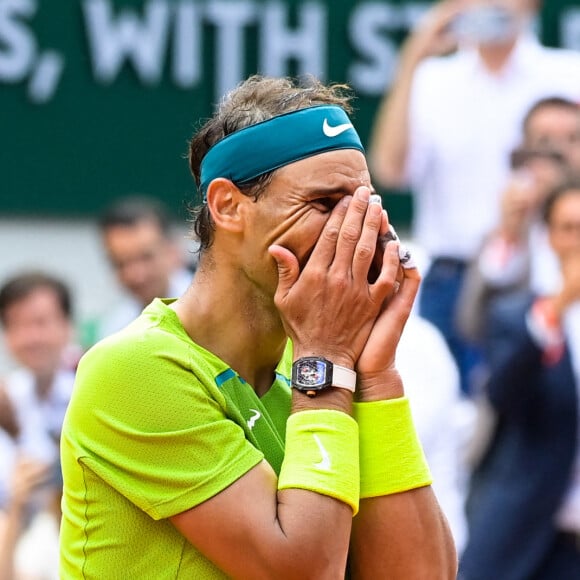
325,249
348,241
366,247
383,286
288,270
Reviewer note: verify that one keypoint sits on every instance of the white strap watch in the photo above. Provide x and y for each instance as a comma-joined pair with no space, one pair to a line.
312,374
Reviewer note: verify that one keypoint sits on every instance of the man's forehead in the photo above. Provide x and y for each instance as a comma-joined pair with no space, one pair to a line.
544,118
329,170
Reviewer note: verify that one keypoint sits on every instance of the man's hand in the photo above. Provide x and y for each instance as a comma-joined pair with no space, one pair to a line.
330,307
377,376
28,475
518,205
433,36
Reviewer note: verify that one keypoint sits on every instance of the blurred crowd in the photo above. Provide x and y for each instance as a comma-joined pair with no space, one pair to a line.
483,127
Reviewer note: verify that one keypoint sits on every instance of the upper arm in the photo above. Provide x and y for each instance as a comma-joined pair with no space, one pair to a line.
152,433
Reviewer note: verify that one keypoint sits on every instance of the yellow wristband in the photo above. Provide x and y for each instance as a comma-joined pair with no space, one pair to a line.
321,455
391,455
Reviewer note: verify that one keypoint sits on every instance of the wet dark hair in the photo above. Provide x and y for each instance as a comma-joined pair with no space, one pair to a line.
22,285
254,100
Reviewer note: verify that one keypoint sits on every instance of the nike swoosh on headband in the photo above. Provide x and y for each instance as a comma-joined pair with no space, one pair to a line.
334,131
258,149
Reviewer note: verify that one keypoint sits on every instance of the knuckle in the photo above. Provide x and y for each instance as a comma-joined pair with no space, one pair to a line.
331,233
341,281
364,252
350,234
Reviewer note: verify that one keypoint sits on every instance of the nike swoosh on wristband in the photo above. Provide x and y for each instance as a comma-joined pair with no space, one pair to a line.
325,464
334,131
252,420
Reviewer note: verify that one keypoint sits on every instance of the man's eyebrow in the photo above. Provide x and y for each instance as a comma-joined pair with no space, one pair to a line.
321,191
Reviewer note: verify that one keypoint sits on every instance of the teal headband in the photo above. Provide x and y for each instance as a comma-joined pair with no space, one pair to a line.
250,152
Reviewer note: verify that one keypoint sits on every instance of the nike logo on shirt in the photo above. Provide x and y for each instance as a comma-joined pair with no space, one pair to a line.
325,463
334,131
252,420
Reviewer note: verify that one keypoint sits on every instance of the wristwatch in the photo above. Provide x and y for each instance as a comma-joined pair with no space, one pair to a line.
311,374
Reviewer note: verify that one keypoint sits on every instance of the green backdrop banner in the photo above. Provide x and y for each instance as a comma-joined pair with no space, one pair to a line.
99,97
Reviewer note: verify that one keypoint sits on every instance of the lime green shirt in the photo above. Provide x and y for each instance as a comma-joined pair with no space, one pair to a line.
157,425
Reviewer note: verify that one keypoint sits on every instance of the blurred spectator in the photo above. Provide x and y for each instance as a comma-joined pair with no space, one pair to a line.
148,261
35,313
525,501
443,416
517,254
21,477
553,123
447,129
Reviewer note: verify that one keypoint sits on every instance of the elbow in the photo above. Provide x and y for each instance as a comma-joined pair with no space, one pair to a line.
317,568
312,561
451,560
444,557
440,560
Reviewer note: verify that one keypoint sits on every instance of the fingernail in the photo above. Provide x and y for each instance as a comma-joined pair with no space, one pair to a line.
363,193
393,232
374,198
406,258
346,200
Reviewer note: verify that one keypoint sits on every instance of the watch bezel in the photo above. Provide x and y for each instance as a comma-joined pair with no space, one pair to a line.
297,381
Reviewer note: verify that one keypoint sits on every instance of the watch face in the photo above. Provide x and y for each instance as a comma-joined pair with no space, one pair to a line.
311,373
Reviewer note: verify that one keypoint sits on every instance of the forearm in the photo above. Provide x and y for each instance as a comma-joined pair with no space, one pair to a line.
400,530
403,535
315,531
389,142
296,525
318,484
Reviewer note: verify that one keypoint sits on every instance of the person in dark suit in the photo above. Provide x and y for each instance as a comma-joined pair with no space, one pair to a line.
524,506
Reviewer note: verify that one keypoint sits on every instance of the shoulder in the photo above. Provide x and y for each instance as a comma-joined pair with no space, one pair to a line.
560,68
560,56
134,353
145,374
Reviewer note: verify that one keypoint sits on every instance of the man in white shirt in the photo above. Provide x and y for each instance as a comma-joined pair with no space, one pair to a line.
147,260
447,128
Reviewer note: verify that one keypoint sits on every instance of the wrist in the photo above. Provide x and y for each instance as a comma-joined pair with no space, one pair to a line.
391,455
332,398
322,456
379,386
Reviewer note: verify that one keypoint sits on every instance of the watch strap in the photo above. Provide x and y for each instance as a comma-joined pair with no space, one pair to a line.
343,378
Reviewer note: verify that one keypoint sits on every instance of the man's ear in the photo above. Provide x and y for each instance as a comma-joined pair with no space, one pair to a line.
225,203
